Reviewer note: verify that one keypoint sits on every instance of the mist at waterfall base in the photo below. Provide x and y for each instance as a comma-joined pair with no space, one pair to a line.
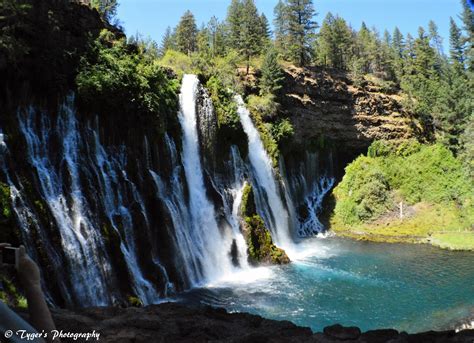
411,288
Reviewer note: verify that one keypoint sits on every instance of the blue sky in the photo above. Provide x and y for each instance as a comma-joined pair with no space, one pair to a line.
151,17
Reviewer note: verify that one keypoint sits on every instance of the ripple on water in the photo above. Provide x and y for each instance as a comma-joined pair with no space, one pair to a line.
407,287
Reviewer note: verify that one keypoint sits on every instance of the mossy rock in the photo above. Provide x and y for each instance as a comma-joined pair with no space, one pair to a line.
247,205
9,292
261,249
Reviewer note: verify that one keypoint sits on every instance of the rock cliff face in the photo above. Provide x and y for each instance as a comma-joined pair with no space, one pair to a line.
325,105
172,322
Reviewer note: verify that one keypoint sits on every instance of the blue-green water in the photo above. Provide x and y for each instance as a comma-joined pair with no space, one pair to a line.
408,287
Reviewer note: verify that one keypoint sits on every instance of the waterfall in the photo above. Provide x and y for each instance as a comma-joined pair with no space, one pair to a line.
111,171
85,187
268,197
208,247
306,188
81,243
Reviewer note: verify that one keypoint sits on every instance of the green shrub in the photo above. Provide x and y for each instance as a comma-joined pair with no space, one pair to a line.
180,63
412,171
117,76
364,192
264,105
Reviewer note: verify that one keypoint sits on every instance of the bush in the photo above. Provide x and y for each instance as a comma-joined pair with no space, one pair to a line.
180,63
414,172
116,76
364,192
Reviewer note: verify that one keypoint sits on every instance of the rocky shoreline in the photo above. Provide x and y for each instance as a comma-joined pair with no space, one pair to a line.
172,322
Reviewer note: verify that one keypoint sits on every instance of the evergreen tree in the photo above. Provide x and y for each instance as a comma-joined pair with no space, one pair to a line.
234,23
456,47
468,21
203,41
107,8
387,39
250,36
168,42
280,23
217,36
334,42
265,31
435,39
398,44
186,33
301,30
272,73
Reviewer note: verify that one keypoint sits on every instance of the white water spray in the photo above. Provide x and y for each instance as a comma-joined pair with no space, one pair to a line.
275,212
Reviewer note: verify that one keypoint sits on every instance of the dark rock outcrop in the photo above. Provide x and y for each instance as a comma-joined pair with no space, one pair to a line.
172,322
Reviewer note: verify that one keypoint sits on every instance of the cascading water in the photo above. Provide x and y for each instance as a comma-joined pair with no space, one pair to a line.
204,244
268,197
307,187
65,183
112,190
81,243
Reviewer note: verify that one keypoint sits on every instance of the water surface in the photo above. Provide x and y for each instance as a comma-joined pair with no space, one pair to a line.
370,285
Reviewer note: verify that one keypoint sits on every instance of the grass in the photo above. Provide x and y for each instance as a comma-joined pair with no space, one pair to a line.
428,180
445,226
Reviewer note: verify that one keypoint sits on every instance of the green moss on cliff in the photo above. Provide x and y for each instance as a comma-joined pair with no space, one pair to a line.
259,239
5,202
404,191
10,295
247,205
260,244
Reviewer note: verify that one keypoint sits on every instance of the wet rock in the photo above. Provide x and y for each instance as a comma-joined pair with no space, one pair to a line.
340,332
376,336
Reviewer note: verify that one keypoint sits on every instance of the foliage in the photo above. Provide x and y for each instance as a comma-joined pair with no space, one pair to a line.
408,171
186,34
224,104
265,105
295,30
107,8
260,244
364,192
272,77
13,24
5,201
283,132
117,76
334,42
179,62
247,205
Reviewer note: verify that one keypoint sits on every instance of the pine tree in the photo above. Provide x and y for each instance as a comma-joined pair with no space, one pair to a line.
280,23
435,39
301,30
265,31
250,35
186,33
456,47
387,38
334,42
467,17
234,23
168,42
272,73
398,44
217,36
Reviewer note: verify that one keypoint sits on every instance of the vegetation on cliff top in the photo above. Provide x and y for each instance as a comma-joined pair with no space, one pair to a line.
126,78
404,191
